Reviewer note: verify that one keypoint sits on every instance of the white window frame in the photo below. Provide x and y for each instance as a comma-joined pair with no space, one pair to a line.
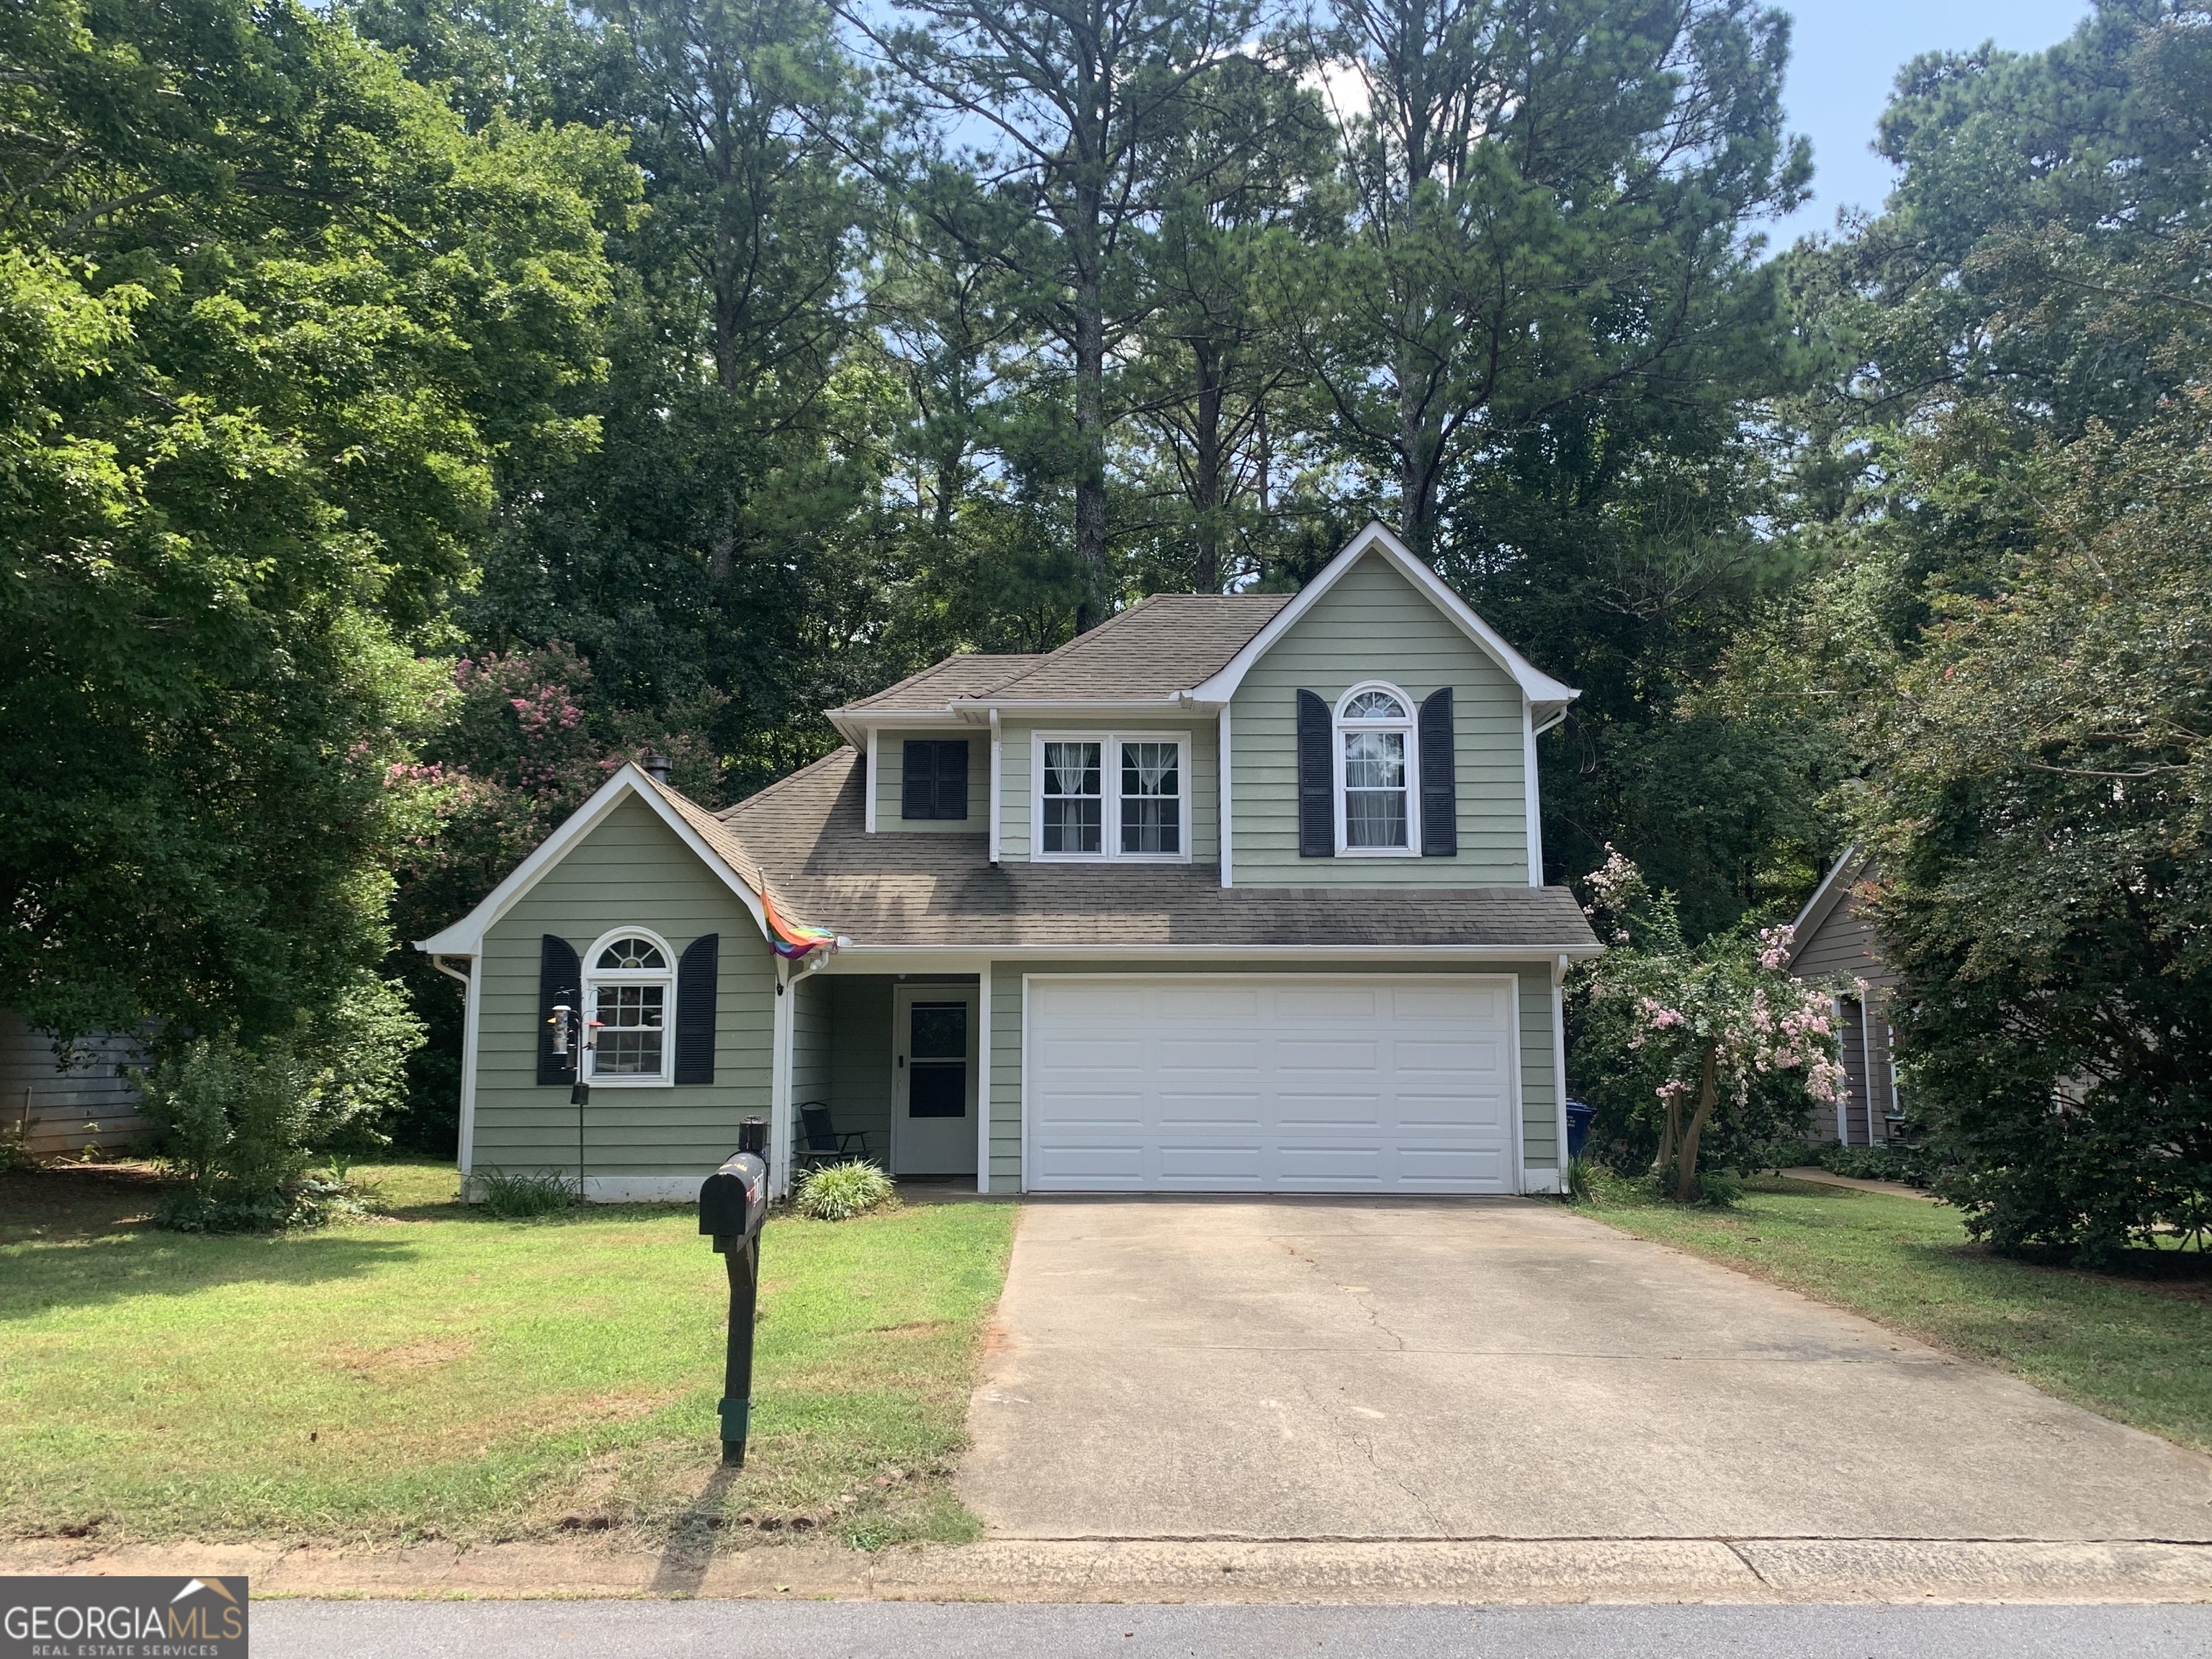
1410,724
1109,783
595,976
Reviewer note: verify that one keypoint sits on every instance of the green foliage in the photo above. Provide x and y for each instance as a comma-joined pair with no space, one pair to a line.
1913,1166
838,1192
1696,1058
278,332
2009,480
239,1126
523,1196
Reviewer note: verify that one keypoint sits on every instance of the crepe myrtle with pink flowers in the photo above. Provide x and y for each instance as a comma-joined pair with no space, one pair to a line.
1703,1056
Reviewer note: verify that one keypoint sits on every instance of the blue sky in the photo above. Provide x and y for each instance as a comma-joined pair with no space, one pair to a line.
1844,54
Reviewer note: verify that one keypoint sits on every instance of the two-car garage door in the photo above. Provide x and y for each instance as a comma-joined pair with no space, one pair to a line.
1288,1083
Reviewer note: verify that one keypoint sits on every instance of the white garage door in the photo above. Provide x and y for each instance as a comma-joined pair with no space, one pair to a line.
1276,1085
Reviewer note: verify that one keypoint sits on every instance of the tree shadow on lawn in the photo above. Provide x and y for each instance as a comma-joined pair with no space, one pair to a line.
101,1247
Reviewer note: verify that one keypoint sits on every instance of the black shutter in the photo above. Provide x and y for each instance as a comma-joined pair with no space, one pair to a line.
697,977
933,779
918,781
1317,781
952,779
560,979
1439,790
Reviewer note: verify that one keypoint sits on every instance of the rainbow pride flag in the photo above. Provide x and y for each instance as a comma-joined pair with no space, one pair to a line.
794,940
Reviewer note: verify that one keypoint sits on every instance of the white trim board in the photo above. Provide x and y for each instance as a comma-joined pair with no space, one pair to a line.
940,958
465,937
1536,686
1825,899
633,1189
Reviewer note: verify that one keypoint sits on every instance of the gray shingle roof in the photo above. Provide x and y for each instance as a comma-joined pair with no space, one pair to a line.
806,836
970,675
1159,646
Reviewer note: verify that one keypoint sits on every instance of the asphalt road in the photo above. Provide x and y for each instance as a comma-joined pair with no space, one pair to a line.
862,1630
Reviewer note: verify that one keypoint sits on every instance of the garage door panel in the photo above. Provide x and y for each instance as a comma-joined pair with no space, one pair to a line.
1211,1054
1260,1084
1208,1111
1336,1002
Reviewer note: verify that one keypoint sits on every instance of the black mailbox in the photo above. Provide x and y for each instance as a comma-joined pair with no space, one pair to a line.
732,1210
733,1201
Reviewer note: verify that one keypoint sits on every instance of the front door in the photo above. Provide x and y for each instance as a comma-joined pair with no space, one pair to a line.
934,1055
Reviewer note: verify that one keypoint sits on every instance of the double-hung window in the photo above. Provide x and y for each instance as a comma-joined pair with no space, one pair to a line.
1377,789
629,986
1111,796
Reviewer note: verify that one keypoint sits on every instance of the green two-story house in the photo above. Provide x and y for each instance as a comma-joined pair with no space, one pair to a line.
1235,893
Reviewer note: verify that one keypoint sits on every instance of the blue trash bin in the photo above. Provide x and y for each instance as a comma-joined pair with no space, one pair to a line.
1579,1122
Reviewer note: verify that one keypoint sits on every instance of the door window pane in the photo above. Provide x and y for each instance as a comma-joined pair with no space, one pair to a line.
1074,816
938,1031
1151,803
938,1089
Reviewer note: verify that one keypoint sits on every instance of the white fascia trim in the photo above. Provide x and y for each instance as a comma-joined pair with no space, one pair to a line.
1536,686
1224,814
465,937
1825,898
850,958
1094,708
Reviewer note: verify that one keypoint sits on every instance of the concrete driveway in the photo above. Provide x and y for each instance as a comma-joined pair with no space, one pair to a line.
1456,1369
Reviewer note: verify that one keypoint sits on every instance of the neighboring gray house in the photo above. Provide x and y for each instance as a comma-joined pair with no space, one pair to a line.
1234,893
60,1104
1832,936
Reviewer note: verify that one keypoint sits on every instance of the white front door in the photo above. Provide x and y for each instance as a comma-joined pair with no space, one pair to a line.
933,1064
1274,1083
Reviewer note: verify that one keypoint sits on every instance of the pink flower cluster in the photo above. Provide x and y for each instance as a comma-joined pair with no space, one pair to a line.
1774,946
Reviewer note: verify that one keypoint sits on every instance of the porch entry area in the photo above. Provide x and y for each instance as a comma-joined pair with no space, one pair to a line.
890,1063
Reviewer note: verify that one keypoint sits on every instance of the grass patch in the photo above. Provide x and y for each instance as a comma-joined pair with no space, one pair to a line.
435,1372
2132,1349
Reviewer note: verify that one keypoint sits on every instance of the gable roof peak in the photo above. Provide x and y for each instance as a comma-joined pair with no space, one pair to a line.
1547,697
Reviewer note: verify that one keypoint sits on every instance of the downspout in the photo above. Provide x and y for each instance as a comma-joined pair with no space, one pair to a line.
1225,787
995,774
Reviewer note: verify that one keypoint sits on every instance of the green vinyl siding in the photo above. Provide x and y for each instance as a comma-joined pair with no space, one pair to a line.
890,750
1375,625
1540,1109
1202,785
861,1061
632,870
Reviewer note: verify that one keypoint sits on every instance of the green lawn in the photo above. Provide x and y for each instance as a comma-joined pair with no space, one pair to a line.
2139,1352
433,1373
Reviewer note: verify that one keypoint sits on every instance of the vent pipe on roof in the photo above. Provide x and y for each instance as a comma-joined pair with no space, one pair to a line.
656,766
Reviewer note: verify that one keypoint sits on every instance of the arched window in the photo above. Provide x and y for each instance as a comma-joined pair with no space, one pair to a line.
629,986
1377,791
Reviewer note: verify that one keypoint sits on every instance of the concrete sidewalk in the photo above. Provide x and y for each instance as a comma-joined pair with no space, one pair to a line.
1388,1370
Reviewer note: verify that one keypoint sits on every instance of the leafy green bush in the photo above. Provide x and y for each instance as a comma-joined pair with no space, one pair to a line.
522,1197
1580,1173
839,1192
1911,1164
239,1126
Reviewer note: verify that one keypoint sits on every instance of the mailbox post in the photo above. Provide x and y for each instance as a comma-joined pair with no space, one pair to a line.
733,1209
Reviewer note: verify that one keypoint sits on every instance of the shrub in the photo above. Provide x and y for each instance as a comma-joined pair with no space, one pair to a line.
240,1124
1910,1164
839,1192
1580,1173
522,1197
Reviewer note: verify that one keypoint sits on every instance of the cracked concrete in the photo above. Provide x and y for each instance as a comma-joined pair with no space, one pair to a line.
1498,1369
